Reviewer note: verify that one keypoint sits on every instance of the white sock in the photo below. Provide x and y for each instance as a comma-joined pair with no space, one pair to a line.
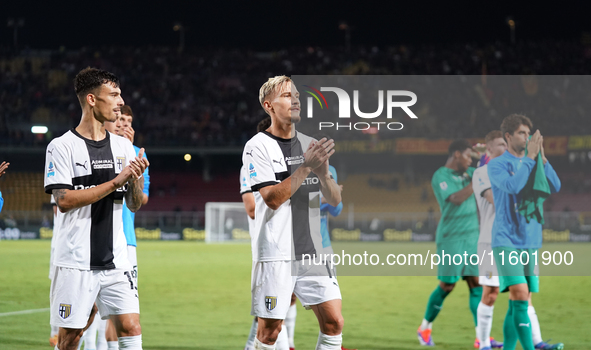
290,321
56,348
260,346
426,324
536,332
113,345
132,343
282,343
484,315
252,335
101,340
329,342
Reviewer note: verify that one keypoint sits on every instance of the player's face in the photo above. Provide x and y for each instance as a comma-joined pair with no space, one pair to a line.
465,160
113,127
286,104
125,122
497,147
519,138
108,103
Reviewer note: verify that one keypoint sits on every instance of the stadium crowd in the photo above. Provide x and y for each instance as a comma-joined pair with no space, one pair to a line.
208,97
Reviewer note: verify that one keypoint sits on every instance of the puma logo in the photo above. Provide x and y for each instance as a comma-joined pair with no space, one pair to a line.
82,165
51,152
524,325
249,153
278,161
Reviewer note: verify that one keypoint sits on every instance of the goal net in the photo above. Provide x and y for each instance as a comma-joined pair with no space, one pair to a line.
226,222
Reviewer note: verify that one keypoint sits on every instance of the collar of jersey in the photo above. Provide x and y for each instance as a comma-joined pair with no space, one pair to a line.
92,142
279,138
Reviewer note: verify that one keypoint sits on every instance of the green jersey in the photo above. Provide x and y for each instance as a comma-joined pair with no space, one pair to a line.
458,222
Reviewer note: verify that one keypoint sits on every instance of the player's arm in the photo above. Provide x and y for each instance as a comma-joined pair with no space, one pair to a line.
513,184
318,152
275,195
3,168
67,199
488,196
134,196
481,185
146,195
249,203
459,197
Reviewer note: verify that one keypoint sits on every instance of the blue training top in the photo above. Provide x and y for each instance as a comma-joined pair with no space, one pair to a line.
1,201
128,215
508,176
325,209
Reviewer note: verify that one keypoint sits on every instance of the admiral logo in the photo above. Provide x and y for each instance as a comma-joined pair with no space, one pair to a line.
345,108
50,170
295,160
102,164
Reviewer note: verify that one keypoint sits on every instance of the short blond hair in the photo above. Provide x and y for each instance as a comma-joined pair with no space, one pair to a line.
270,87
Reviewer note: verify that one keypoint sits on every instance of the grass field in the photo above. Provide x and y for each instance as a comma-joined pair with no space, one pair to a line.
197,296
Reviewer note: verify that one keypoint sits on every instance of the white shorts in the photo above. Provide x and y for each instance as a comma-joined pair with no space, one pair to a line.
73,292
272,284
132,257
487,271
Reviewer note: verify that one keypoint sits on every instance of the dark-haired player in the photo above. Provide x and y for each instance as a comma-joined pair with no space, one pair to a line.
457,233
89,174
513,234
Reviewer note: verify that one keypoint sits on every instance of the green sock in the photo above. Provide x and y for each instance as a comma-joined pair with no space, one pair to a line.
435,303
522,324
475,297
509,332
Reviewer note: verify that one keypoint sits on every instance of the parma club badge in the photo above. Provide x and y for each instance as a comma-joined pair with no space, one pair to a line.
270,302
65,310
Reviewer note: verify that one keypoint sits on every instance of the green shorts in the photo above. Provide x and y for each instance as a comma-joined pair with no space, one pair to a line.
447,273
520,269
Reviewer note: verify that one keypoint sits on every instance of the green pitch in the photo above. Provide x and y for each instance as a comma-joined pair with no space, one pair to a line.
197,296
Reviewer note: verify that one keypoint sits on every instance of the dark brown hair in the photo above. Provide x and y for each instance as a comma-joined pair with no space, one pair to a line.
264,124
512,123
88,79
126,110
458,145
495,134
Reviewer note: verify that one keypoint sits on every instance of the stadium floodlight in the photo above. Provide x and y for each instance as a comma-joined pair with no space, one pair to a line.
187,157
39,129
178,27
511,24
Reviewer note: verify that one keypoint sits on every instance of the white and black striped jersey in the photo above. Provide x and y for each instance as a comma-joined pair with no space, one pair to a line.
270,160
91,237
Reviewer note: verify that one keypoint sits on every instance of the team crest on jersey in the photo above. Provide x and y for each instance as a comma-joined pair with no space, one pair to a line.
251,170
120,163
489,275
443,185
65,310
50,170
270,302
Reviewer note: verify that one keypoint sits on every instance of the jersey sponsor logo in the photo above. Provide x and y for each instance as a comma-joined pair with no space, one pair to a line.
65,310
294,160
270,302
50,170
120,162
524,325
443,185
82,165
251,170
102,164
278,161
310,181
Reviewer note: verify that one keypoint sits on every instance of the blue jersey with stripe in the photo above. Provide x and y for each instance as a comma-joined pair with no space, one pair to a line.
128,215
508,176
